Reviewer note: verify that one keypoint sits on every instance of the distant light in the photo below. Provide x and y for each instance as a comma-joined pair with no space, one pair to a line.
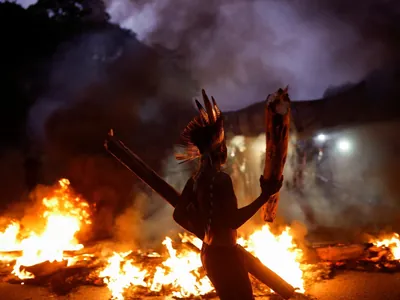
320,154
344,146
321,137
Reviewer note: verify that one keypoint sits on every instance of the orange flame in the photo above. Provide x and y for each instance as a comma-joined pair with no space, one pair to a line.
120,274
64,215
180,274
392,242
181,271
279,253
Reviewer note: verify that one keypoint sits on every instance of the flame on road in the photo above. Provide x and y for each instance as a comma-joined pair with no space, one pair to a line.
121,274
178,272
182,273
63,216
279,253
392,242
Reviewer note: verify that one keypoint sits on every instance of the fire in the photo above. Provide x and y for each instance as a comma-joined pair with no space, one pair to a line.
279,253
178,272
120,274
63,216
8,238
182,274
392,242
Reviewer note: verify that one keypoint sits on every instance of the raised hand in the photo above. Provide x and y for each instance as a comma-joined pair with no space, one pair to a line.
270,187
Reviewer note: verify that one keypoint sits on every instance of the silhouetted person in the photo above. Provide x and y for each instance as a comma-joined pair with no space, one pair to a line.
209,206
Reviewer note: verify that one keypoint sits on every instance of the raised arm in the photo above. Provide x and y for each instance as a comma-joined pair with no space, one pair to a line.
236,217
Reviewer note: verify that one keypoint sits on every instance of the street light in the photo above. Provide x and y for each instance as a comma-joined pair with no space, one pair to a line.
321,137
344,146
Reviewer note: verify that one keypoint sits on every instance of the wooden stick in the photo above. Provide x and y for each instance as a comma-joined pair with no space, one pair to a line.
277,123
131,161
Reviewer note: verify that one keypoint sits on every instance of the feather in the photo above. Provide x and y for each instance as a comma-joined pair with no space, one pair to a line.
203,113
209,108
216,108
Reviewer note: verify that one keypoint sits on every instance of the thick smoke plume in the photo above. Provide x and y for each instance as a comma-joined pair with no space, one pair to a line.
242,50
98,78
359,192
129,95
148,219
239,51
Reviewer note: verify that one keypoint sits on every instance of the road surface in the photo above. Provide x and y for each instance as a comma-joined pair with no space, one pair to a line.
345,286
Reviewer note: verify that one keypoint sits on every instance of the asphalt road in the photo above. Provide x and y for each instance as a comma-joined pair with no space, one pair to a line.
345,286
357,285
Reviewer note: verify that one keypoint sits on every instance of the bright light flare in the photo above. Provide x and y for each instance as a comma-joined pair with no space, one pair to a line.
344,146
321,137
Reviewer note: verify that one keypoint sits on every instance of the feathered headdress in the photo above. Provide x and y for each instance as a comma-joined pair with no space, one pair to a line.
205,133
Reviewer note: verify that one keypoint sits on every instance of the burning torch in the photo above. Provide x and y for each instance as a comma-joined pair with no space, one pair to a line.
277,123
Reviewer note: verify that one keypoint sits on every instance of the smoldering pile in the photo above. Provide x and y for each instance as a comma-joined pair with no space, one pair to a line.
379,255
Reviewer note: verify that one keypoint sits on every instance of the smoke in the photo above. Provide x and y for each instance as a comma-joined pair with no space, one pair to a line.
98,77
242,50
361,192
104,78
147,221
23,3
78,65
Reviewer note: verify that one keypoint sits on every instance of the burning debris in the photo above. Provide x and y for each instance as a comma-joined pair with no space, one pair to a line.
52,255
63,216
379,255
